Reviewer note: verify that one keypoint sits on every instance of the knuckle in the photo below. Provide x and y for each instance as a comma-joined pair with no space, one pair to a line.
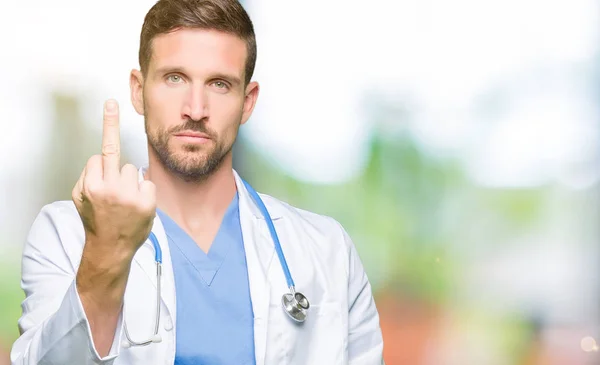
110,149
140,210
148,189
75,195
93,188
113,196
110,116
146,205
94,159
93,162
128,168
125,199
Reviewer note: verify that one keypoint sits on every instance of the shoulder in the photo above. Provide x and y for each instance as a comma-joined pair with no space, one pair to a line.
281,209
323,227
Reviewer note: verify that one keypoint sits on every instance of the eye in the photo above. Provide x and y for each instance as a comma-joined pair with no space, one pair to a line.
174,79
220,84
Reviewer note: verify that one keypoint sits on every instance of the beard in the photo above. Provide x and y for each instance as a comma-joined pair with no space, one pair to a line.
193,165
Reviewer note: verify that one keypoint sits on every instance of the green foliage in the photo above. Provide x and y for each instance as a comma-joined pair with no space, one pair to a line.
10,304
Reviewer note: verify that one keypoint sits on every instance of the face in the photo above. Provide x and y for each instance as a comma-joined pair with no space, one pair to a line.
194,100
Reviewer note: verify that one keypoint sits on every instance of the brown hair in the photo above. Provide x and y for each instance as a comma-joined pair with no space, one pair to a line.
222,15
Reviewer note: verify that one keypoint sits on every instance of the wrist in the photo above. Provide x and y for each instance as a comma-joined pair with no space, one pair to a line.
112,257
102,279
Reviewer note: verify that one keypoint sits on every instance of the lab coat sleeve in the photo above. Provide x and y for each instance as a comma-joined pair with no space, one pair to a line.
53,325
365,341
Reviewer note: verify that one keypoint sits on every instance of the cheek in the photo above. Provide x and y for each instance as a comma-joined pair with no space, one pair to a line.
227,109
161,96
226,115
162,105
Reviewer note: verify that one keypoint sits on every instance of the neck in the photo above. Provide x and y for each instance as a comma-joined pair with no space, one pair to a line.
193,205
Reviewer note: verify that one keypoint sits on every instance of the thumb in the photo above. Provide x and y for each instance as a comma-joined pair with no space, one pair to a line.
77,192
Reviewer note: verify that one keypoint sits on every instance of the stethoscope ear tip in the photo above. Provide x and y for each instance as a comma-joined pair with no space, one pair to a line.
125,344
156,338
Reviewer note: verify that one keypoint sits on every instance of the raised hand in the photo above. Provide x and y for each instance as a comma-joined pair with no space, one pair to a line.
116,210
117,214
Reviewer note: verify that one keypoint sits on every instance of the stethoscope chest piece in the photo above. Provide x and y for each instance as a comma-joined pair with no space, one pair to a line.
295,305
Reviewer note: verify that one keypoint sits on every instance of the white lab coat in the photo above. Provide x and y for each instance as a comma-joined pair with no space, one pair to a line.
342,325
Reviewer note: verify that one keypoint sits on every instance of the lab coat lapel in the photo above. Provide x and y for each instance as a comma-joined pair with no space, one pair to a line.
259,252
259,256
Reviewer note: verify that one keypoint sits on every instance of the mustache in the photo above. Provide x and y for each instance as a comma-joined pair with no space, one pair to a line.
194,126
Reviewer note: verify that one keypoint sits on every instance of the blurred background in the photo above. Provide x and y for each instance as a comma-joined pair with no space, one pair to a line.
458,142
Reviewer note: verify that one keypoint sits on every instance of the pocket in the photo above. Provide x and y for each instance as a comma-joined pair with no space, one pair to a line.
318,340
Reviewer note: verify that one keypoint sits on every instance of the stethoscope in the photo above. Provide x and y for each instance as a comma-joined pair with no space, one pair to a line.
294,303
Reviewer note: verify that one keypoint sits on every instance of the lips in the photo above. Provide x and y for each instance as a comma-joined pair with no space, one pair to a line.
191,134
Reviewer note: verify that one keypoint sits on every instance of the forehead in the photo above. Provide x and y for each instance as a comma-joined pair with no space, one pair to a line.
199,50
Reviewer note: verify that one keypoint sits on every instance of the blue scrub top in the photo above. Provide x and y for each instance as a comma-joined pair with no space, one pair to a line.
215,321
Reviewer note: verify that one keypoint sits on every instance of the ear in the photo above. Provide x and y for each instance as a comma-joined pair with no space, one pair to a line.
136,86
250,100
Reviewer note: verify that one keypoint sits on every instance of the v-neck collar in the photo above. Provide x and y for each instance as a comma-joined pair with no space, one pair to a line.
206,264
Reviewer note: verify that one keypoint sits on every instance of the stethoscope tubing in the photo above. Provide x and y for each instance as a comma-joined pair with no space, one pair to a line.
158,259
274,236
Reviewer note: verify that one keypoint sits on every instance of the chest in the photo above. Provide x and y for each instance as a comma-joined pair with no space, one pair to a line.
215,320
318,270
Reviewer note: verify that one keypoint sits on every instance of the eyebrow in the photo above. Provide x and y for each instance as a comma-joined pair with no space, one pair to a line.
231,78
169,69
219,75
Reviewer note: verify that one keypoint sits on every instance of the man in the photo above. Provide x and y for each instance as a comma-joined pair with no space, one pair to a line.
89,271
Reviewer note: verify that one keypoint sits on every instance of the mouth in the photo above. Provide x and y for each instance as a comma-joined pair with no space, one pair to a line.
192,134
192,137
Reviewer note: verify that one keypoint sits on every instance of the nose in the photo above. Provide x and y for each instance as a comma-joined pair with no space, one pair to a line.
195,106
